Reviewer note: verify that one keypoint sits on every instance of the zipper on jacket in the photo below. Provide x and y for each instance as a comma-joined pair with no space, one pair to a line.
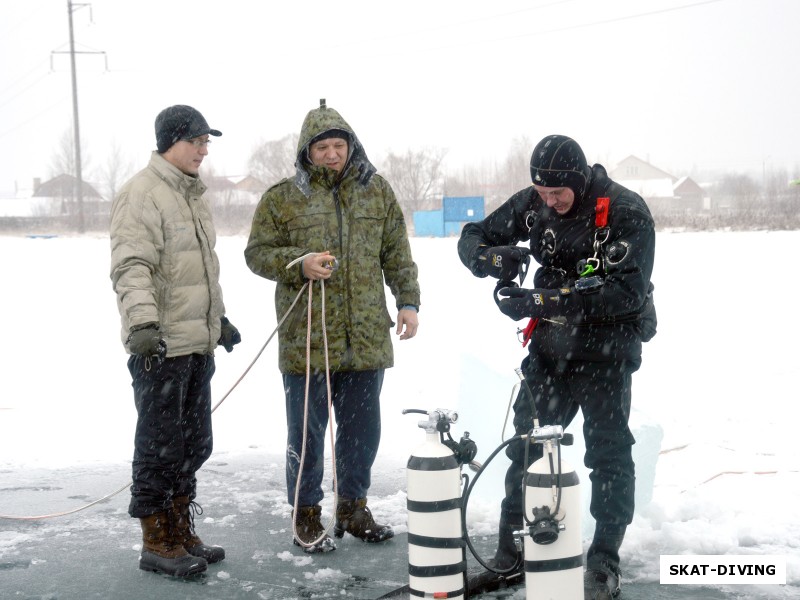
338,207
347,305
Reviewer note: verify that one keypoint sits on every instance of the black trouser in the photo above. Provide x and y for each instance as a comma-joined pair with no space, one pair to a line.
602,390
356,406
173,431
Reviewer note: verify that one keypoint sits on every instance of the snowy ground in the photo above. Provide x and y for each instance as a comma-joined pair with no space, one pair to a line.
716,399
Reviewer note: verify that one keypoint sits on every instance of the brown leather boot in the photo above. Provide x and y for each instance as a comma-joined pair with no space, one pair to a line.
183,511
161,552
355,518
310,531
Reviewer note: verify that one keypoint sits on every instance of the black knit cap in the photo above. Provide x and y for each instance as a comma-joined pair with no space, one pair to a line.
558,161
330,133
180,122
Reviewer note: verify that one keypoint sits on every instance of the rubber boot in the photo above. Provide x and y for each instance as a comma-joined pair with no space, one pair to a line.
162,553
183,511
311,532
507,554
602,578
353,517
601,582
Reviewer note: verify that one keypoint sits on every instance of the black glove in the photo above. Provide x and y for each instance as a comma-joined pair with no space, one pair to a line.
503,262
229,335
520,303
145,339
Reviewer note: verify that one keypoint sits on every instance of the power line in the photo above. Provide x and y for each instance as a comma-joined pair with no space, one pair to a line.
596,23
23,90
455,24
33,118
33,11
20,79
615,19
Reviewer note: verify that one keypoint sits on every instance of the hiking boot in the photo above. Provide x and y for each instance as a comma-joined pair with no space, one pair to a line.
355,518
601,582
183,512
161,553
309,532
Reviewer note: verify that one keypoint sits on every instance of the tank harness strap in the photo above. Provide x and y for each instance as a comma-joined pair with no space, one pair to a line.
421,594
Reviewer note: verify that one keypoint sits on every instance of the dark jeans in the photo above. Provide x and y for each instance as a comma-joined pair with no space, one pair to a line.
173,431
356,407
602,390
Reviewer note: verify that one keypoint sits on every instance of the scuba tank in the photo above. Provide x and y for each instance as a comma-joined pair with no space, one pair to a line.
436,548
551,532
552,500
437,535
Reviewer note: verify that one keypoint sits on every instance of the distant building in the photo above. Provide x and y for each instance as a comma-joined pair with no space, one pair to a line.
690,196
252,186
235,190
662,192
57,197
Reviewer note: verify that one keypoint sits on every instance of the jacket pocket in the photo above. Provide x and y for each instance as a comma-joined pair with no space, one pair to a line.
314,230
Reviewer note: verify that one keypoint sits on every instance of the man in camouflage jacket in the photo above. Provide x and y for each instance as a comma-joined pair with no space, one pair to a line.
344,221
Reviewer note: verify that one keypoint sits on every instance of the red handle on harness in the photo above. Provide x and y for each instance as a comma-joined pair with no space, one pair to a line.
601,212
527,333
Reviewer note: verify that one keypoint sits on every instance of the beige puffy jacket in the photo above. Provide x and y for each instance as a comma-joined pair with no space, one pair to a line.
163,265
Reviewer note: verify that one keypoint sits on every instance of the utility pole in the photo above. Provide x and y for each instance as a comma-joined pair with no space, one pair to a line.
78,187
76,125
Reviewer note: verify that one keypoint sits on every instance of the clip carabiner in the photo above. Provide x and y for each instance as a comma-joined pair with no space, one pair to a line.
588,266
600,237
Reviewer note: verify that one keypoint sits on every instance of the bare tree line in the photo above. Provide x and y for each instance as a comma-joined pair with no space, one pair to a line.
420,178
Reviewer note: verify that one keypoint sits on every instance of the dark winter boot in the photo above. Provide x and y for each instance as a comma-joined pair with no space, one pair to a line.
507,555
183,512
311,532
602,578
601,581
506,569
355,518
161,553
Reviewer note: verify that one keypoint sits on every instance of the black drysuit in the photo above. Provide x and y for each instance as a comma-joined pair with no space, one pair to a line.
585,358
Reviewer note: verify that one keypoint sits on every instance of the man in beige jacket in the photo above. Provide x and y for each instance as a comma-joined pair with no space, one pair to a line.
165,273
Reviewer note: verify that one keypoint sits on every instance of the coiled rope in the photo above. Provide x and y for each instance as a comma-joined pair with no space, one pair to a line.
324,533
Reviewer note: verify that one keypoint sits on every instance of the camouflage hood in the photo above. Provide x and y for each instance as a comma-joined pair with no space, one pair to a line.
317,122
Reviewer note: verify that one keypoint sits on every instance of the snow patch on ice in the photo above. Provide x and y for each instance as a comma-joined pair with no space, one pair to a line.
10,539
226,520
326,574
297,561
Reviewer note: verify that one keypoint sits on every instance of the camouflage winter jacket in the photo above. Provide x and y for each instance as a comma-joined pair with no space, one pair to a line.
356,217
163,265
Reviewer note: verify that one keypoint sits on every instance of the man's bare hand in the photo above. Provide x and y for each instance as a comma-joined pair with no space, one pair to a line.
319,265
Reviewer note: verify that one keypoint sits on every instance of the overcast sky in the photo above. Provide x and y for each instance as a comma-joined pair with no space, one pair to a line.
704,84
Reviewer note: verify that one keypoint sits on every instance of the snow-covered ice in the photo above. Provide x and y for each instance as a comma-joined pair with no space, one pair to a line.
715,401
